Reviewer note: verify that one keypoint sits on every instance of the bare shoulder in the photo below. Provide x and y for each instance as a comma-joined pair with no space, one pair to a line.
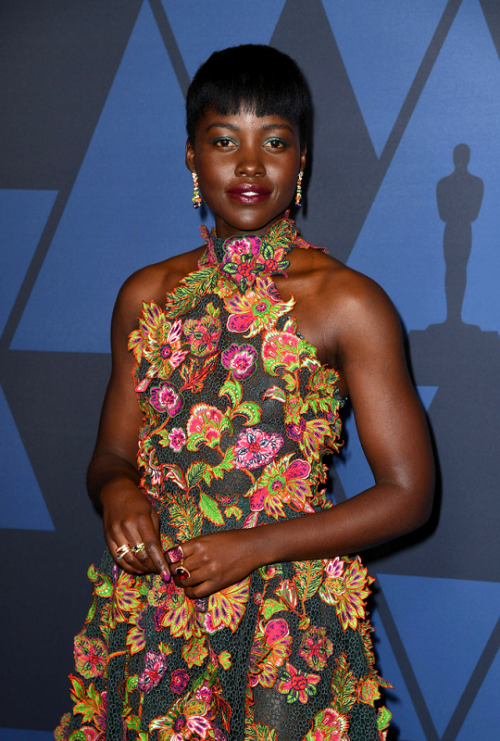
152,282
338,291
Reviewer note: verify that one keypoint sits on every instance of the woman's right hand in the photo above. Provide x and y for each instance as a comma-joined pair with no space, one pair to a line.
129,519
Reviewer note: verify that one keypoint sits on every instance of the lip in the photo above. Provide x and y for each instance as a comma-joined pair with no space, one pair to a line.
249,192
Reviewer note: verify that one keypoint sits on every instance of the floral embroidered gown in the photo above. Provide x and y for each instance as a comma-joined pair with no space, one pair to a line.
238,413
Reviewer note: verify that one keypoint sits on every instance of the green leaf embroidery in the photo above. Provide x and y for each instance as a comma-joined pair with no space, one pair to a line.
195,473
250,410
270,606
210,509
187,295
308,578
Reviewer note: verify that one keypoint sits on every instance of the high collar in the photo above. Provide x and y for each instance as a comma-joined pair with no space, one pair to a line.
245,257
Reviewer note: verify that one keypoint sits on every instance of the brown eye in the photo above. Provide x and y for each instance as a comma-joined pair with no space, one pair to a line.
276,143
224,141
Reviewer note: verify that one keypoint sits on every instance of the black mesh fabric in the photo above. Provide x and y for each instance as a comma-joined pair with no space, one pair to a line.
238,414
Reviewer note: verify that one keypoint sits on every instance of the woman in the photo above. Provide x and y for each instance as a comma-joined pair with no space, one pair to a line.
204,624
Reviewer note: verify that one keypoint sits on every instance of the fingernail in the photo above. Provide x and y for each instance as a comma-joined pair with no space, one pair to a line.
165,576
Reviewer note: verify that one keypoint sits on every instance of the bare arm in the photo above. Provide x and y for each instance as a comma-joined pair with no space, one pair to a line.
113,477
395,439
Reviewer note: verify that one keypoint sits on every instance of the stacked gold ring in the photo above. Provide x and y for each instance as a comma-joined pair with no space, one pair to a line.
122,550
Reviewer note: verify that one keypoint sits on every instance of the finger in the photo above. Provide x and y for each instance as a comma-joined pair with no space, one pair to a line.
147,552
119,555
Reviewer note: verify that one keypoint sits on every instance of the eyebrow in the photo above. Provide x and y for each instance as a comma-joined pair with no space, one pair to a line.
233,127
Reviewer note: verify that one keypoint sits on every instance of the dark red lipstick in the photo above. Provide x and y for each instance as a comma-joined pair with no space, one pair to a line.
249,192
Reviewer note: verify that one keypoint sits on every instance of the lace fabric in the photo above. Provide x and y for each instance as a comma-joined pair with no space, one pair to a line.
238,415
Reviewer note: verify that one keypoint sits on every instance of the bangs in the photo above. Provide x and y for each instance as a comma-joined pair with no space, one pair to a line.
250,78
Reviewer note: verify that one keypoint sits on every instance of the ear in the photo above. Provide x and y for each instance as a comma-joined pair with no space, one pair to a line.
303,159
190,156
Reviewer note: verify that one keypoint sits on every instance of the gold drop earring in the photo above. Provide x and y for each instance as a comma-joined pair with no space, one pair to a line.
196,191
298,194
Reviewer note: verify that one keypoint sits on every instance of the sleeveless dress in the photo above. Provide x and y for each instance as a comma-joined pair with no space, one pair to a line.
238,415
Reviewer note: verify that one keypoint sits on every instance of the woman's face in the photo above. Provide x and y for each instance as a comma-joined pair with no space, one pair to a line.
247,168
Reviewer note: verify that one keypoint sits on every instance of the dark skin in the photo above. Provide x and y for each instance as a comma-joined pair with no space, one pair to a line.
344,314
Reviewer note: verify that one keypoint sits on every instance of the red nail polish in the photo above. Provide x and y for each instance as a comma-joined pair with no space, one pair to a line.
165,576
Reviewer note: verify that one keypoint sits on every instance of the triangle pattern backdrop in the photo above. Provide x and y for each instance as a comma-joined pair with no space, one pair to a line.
382,45
123,212
485,712
403,234
444,625
399,702
24,215
130,206
218,24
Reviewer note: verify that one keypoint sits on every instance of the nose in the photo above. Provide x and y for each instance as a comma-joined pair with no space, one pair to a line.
250,162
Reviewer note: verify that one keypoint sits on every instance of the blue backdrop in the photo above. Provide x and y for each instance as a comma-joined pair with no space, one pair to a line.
93,186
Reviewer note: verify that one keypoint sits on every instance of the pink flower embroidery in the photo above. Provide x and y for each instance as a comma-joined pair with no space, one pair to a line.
165,398
241,360
159,341
283,482
346,590
255,448
204,333
178,681
154,669
205,425
90,656
256,309
177,439
316,648
297,685
296,431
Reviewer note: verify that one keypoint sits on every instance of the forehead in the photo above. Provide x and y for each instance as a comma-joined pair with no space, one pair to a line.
245,119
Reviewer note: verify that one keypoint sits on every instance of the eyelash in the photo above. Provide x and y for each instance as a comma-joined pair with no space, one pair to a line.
222,142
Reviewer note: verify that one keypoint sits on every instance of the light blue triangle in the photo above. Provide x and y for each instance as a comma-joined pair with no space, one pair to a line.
203,26
398,700
483,720
382,45
352,467
401,243
130,205
444,625
22,506
23,215
426,394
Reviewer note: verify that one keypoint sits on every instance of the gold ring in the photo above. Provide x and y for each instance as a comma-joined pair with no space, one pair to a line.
122,550
139,548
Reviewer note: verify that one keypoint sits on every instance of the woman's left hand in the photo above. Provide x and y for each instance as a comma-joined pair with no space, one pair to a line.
216,561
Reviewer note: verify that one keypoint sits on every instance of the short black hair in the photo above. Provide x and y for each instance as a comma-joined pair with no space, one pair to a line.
250,76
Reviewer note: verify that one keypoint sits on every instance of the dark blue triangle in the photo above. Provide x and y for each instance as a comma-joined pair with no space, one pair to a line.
401,243
398,700
22,505
483,720
23,217
201,28
18,734
444,625
130,205
382,45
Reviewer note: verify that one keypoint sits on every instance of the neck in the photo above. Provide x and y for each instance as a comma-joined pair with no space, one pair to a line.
245,257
